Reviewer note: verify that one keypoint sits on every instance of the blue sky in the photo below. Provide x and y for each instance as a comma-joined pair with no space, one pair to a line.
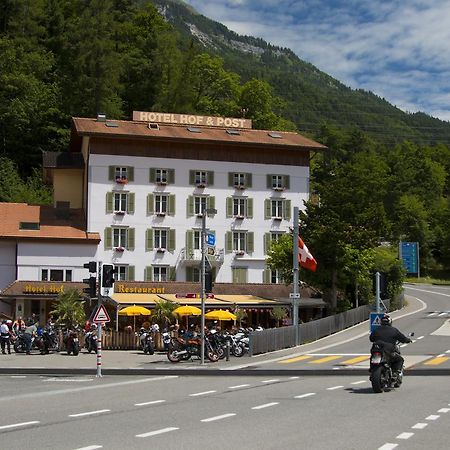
398,49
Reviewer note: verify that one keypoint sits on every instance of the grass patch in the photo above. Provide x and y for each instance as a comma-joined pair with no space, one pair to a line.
427,280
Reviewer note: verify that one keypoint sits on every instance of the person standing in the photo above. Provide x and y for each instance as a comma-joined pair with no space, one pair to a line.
28,334
5,336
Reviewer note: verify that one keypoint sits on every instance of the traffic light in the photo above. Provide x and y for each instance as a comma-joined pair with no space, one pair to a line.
208,280
91,265
92,289
108,272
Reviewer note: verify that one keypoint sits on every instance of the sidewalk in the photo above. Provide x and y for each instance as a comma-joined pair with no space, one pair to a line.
133,362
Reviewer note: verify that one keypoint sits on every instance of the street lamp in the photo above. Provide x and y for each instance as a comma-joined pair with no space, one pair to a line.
206,212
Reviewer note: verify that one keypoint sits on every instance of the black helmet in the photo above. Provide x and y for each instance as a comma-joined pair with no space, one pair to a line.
386,320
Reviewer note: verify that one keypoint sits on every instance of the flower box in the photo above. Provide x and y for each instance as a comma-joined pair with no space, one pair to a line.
160,250
119,213
239,253
119,249
122,180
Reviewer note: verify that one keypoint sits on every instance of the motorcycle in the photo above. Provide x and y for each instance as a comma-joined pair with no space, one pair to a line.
72,342
382,377
146,341
166,340
90,341
20,343
185,348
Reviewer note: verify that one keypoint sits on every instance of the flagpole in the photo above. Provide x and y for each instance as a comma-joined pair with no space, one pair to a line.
295,293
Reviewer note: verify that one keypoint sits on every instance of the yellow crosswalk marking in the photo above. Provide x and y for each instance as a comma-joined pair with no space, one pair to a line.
436,361
326,359
355,360
298,358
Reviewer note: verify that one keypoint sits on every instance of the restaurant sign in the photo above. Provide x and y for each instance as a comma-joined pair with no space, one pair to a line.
189,119
121,288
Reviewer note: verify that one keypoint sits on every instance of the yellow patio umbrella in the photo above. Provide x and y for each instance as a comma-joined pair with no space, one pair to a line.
187,310
220,314
134,311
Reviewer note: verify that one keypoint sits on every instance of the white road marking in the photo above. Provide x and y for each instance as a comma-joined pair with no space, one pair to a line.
270,381
444,410
432,417
441,355
239,386
433,314
266,405
154,433
18,376
223,416
448,351
309,394
420,337
443,313
17,425
405,435
293,378
90,447
388,446
359,382
154,402
197,394
419,426
403,345
90,413
334,387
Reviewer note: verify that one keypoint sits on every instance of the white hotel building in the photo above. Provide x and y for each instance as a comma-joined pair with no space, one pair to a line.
142,186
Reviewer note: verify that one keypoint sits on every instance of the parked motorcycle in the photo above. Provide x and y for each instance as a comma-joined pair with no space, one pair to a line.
90,341
72,342
184,349
382,377
146,341
166,339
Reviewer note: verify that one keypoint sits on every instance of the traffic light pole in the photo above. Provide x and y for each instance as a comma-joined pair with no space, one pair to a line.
295,282
100,324
202,291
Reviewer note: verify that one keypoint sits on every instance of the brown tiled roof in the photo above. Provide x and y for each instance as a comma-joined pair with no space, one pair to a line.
51,226
129,129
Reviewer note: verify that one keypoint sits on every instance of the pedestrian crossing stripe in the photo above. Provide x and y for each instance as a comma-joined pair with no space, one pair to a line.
298,358
325,359
355,360
436,361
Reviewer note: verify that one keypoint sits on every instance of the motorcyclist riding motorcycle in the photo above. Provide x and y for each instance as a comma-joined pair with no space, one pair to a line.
388,336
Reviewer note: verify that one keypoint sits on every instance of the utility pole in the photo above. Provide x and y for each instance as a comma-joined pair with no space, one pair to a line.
295,282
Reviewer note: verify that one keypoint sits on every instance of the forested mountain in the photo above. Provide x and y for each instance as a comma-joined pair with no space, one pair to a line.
311,97
384,178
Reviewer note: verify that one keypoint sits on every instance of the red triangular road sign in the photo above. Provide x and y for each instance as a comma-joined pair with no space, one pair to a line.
101,315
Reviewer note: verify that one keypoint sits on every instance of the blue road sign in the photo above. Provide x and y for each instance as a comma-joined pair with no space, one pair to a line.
375,320
409,256
211,239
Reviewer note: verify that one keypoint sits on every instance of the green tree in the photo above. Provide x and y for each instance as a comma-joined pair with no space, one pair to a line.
279,313
163,313
69,309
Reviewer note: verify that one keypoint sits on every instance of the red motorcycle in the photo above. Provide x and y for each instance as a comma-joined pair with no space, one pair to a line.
72,342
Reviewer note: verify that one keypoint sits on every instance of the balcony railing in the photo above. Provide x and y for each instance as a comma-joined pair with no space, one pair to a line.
195,256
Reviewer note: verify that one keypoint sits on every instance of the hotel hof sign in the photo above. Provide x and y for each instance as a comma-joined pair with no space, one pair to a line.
189,119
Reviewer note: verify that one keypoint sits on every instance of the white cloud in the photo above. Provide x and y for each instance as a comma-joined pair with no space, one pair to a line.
397,49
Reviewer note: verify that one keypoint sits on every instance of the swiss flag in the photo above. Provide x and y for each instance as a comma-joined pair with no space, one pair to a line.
305,258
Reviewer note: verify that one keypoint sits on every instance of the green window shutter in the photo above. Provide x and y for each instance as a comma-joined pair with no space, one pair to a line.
189,274
130,173
130,273
243,275
228,242
190,206
287,209
108,238
152,175
130,203
230,179
267,242
234,275
171,240
150,204
192,177
267,276
211,202
171,176
189,244
109,202
149,240
172,205
286,181
172,273
111,172
249,208
267,208
210,178
239,275
148,273
248,180
130,239
229,206
250,242
269,181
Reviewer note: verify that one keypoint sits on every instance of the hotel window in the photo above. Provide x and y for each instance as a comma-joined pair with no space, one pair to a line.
201,178
270,237
239,242
162,176
160,239
119,238
119,203
277,208
124,273
196,204
193,274
239,274
278,182
121,174
239,207
160,204
272,276
56,275
239,180
199,205
160,273
194,243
